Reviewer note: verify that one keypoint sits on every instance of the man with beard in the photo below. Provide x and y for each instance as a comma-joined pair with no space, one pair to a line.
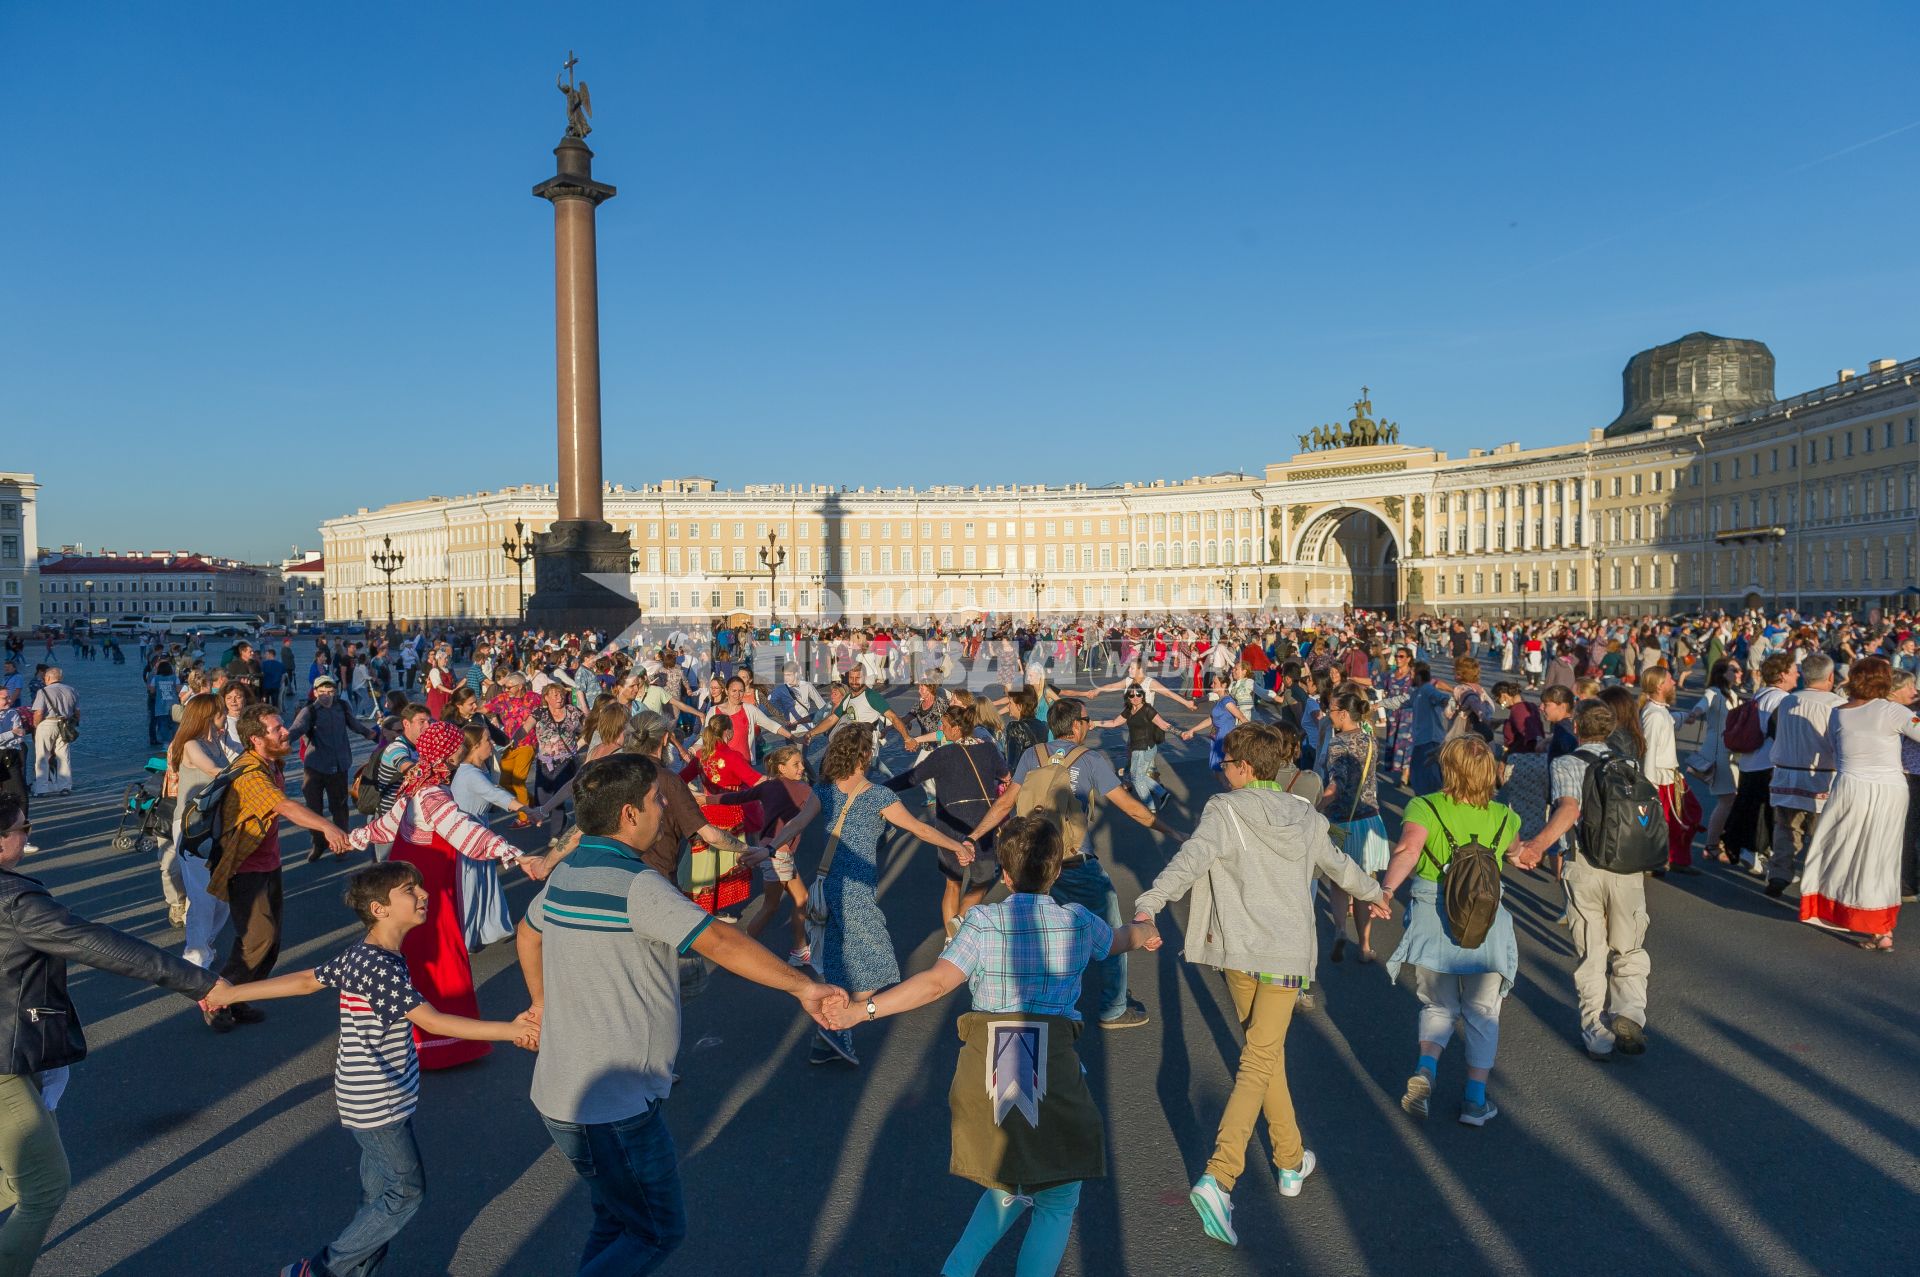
247,876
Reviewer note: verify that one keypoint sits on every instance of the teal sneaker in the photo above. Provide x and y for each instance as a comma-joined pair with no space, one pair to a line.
1216,1210
1290,1181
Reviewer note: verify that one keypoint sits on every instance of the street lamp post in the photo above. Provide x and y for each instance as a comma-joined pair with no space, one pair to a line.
1521,585
1226,593
1599,597
1038,582
519,551
773,556
388,560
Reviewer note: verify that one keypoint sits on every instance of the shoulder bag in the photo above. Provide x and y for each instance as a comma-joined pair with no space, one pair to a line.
817,911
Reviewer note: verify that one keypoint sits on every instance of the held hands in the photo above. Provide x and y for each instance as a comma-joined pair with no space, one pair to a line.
824,1002
220,995
755,856
337,840
966,853
528,1024
536,867
1152,942
1381,908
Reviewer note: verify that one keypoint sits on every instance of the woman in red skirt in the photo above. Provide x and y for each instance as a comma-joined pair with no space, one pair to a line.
431,833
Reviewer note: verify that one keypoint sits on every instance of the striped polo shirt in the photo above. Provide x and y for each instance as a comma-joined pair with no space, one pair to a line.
376,1075
612,931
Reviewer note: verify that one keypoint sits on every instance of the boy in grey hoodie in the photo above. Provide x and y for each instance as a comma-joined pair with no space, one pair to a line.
1250,866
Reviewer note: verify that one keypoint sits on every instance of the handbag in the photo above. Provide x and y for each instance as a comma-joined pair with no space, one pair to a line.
817,911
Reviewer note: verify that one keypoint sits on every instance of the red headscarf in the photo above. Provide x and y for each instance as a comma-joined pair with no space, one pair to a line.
439,745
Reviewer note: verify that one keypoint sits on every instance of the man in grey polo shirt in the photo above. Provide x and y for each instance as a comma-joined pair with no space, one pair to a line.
612,929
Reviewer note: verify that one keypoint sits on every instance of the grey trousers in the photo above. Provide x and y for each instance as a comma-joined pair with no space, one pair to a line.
1609,930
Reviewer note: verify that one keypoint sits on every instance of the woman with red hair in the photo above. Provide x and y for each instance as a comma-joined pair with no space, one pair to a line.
1852,876
430,832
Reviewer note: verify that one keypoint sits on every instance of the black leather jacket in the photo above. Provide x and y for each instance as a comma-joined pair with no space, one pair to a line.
37,937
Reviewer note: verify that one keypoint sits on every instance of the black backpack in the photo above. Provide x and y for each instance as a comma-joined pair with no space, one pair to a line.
1022,735
1623,829
200,827
365,788
1469,884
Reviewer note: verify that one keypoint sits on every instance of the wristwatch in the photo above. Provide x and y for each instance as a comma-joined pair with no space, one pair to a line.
871,1009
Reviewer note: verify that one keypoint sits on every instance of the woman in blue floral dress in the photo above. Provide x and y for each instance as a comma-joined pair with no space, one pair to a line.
1395,690
855,951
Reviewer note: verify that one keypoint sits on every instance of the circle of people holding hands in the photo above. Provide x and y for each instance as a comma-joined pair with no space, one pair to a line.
677,781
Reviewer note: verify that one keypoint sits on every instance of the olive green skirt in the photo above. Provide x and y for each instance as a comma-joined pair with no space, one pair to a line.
1069,1144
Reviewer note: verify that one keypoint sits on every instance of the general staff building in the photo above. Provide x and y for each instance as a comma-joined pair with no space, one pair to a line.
1708,491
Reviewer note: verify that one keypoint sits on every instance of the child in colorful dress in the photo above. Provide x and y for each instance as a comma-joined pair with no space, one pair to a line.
376,1075
1027,1130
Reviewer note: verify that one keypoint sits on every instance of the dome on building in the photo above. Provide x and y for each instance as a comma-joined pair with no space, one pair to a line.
1700,371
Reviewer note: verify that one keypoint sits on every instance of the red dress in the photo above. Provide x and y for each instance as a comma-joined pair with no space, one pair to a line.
430,833
725,771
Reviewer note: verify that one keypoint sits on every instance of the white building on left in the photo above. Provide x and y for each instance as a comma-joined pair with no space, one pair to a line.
19,539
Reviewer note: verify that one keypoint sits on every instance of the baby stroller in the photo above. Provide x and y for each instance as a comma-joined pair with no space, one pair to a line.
146,818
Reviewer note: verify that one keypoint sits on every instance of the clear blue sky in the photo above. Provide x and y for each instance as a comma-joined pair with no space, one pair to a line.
269,263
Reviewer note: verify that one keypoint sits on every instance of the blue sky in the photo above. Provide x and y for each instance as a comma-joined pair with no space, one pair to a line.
269,263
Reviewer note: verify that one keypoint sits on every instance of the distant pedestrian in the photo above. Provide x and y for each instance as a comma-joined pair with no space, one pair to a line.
56,724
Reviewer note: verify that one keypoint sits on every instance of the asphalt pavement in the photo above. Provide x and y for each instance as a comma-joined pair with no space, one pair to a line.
1769,1128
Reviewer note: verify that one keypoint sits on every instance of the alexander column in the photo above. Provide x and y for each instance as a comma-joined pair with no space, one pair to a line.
581,550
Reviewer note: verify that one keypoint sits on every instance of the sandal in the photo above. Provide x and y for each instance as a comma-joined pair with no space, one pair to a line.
1877,944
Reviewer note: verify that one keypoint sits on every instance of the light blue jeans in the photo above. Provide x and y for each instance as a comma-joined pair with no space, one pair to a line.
996,1212
1140,770
392,1187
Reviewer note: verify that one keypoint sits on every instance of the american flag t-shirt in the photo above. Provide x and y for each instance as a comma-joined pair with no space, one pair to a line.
376,1074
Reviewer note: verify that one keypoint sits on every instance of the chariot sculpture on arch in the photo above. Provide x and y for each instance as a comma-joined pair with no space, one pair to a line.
1360,431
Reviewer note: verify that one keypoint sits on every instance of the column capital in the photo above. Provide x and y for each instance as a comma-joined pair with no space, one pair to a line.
567,187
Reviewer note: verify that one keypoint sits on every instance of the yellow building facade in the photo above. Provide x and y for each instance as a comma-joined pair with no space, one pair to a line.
1808,502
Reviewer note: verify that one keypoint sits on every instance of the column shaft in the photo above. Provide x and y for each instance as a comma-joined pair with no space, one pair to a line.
577,351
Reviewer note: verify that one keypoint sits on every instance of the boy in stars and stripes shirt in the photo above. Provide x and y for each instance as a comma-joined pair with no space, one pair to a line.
376,1075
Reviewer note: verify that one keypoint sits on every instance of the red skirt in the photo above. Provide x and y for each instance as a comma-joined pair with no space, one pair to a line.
436,953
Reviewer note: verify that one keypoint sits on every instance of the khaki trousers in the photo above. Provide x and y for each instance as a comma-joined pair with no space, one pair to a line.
1792,831
1260,1086
1609,928
33,1173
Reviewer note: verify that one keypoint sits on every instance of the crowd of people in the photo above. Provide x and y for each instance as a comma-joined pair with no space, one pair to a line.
638,781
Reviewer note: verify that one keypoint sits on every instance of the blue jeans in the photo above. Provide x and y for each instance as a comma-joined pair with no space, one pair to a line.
1140,769
633,1175
392,1186
1086,884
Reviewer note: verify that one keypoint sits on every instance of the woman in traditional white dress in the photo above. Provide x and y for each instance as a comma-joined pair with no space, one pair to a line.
1852,876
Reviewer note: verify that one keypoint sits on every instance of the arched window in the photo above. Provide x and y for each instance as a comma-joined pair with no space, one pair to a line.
1177,562
1193,553
1246,551
1160,554
1213,553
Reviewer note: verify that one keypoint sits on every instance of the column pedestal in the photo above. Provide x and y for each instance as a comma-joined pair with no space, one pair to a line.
565,561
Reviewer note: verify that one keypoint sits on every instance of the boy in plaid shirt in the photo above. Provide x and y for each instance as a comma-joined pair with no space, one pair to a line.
1023,957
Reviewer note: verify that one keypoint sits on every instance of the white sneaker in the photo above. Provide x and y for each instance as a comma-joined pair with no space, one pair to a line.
1290,1181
